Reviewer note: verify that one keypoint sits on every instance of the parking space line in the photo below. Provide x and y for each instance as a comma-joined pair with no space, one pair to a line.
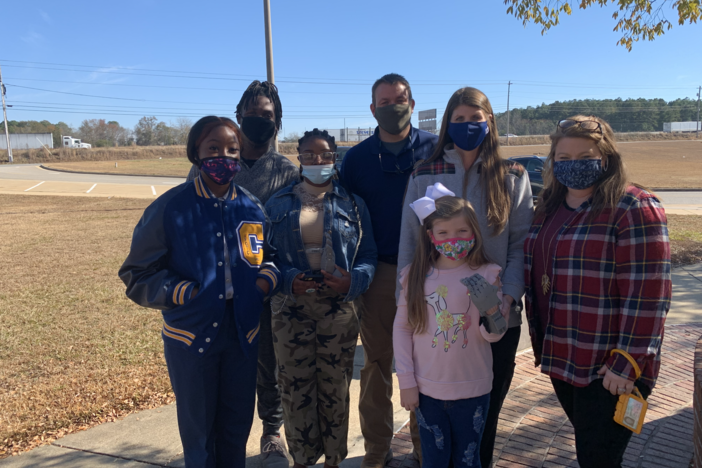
153,190
91,188
30,188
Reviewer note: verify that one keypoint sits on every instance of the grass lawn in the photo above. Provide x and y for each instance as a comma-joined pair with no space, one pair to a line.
173,167
75,351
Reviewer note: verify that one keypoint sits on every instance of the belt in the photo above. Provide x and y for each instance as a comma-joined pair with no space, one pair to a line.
391,259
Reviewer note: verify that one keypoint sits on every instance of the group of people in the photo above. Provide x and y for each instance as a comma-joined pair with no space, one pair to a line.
426,246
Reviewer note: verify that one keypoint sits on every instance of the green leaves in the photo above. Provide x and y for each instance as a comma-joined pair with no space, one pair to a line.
636,19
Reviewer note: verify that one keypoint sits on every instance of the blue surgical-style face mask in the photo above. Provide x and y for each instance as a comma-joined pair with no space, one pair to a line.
318,174
468,135
578,174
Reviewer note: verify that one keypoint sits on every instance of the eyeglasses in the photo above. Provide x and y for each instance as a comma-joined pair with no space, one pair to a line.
397,164
328,157
590,125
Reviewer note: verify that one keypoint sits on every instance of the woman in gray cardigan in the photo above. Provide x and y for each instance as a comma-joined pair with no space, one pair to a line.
467,161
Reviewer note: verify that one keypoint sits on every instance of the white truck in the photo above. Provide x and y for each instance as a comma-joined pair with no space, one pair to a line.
70,142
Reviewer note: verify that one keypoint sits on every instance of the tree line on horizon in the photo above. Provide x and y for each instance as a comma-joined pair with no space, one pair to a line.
149,131
624,115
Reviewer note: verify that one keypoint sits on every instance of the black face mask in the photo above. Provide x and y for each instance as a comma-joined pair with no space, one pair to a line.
258,130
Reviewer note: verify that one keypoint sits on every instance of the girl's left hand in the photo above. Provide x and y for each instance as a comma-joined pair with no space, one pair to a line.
340,285
613,382
507,301
263,284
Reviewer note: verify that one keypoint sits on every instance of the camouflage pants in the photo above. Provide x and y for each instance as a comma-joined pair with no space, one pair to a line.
314,342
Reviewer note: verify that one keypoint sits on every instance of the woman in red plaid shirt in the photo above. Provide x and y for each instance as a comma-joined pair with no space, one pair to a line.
597,273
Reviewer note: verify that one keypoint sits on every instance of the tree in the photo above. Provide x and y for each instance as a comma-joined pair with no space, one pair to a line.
636,19
145,131
292,137
181,130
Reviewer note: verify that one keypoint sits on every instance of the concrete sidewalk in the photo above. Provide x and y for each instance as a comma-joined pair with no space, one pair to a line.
533,429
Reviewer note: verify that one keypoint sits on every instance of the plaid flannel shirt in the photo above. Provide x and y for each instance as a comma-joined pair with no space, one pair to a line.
610,289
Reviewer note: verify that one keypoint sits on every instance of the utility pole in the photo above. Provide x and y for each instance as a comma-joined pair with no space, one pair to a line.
4,113
697,125
509,85
269,51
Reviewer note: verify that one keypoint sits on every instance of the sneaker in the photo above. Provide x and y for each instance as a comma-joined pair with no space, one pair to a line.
273,452
369,462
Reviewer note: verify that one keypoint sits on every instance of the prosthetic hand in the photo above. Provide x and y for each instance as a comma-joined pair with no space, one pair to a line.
484,296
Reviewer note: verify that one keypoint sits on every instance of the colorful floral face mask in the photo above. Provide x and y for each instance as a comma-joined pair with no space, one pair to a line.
220,169
456,248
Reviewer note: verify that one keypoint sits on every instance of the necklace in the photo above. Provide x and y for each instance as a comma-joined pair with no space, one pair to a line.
545,280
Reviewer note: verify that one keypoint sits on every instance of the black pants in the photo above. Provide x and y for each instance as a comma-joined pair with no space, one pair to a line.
503,364
599,441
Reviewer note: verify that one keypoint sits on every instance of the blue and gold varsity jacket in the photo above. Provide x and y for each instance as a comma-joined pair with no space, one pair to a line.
178,245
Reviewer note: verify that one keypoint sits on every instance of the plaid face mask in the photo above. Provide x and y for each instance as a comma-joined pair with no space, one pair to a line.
456,248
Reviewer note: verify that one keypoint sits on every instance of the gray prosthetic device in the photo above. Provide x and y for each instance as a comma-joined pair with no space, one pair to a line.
484,296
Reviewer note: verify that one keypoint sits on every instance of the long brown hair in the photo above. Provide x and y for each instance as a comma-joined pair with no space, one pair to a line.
494,171
607,190
426,255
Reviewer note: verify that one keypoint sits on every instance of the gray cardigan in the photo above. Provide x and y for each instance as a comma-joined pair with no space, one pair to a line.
505,249
270,173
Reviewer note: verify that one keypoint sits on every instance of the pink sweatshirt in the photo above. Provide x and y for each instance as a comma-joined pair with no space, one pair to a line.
452,360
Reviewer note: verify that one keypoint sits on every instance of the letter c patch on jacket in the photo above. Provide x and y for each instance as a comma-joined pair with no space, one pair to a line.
250,234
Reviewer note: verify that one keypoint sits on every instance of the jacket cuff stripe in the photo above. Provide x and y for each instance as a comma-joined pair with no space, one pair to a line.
177,330
176,291
271,277
252,334
177,337
181,296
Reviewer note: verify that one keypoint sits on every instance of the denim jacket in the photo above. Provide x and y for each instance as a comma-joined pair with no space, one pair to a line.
348,238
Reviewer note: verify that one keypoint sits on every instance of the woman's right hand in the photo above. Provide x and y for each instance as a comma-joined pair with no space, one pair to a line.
409,398
300,287
194,292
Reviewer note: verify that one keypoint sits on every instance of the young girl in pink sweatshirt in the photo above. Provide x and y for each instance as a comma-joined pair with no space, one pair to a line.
447,316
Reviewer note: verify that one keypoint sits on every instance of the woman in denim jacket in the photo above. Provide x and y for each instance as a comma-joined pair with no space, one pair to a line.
327,258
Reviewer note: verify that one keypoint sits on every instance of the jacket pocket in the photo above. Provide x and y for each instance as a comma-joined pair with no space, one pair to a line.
348,224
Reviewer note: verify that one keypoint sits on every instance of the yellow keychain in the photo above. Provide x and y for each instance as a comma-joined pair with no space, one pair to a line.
631,409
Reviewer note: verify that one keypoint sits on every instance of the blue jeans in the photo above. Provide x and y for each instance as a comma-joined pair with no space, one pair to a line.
215,396
451,430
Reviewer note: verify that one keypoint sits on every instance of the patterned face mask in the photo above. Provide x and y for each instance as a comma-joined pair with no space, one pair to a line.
578,174
220,169
456,248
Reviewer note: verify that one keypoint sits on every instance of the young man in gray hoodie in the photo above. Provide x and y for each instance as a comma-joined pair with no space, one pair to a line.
263,173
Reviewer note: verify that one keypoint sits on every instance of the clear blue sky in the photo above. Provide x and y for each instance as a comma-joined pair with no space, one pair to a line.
327,55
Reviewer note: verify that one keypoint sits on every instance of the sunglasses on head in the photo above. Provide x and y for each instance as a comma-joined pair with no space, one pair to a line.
590,125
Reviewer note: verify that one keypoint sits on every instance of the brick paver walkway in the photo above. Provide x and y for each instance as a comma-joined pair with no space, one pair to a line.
534,431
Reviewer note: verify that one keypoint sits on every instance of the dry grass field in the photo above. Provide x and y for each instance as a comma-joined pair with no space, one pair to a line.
163,167
41,156
75,351
685,239
656,164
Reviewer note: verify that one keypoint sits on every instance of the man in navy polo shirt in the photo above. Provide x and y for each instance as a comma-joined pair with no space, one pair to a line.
377,169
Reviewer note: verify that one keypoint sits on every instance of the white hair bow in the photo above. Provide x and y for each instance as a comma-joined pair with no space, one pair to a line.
426,205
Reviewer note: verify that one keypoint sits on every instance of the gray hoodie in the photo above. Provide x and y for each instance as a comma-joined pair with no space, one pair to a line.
505,249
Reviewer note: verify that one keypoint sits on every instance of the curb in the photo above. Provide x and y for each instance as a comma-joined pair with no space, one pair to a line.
106,173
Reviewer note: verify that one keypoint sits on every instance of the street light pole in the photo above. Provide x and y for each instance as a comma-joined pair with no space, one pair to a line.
509,86
269,51
4,113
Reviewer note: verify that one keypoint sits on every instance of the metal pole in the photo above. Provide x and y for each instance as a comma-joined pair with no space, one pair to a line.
4,113
269,51
697,125
509,85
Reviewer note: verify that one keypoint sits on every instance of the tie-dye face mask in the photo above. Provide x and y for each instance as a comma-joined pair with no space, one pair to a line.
456,248
220,169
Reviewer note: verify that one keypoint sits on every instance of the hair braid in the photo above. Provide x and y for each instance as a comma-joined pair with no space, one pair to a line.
256,89
317,133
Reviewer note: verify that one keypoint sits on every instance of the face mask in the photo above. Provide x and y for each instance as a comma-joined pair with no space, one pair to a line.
318,174
258,130
221,169
393,118
454,249
578,174
468,135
